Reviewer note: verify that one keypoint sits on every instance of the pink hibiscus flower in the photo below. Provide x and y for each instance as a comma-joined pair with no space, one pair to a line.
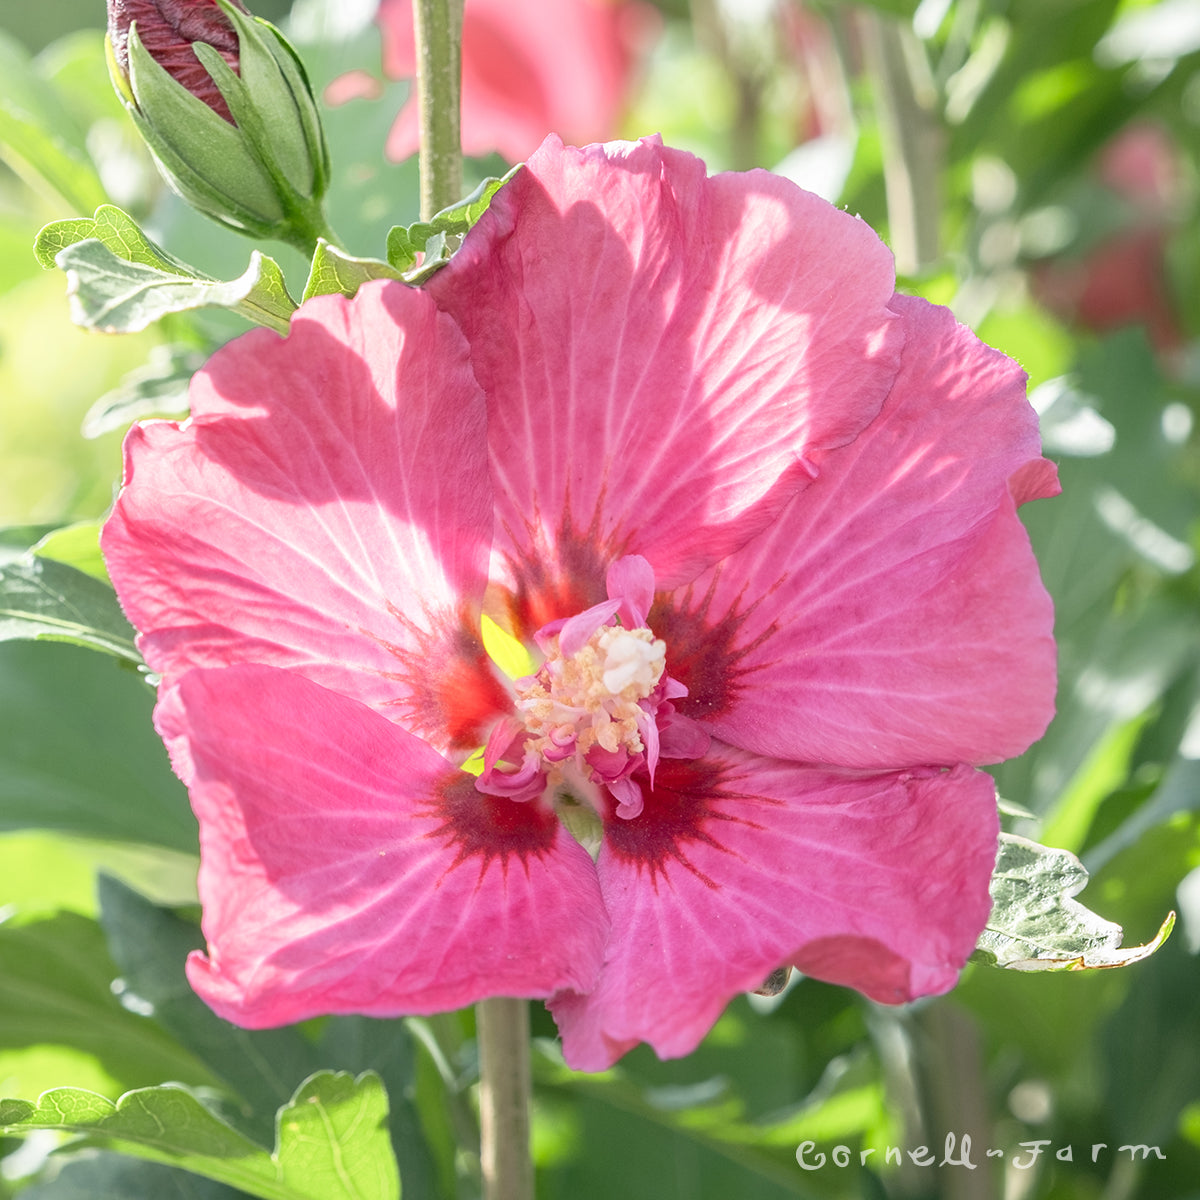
528,67
1123,279
754,513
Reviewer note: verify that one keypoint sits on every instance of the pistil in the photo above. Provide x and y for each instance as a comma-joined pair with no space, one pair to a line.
598,711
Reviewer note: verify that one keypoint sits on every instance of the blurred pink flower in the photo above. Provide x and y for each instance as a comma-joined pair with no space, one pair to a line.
167,29
530,67
756,516
1122,279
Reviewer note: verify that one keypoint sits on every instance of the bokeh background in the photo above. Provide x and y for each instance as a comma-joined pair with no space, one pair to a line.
1033,164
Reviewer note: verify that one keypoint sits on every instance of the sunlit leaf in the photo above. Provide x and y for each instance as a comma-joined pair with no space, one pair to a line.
76,545
45,874
333,271
114,295
115,229
1036,925
436,238
119,281
332,1142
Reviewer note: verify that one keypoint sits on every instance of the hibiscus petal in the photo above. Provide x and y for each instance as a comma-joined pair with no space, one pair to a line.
662,359
326,508
894,614
347,867
631,580
738,865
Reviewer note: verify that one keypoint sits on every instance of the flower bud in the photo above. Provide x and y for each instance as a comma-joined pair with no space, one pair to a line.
167,29
223,103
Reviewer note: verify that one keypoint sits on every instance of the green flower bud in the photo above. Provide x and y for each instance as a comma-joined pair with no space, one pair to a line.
223,103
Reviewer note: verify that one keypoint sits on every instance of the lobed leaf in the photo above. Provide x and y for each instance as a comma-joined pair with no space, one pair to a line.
437,237
333,271
1036,925
112,226
114,295
334,1138
58,235
331,1142
119,281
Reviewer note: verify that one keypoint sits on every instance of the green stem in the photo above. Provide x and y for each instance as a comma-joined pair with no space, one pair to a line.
505,1085
913,140
437,25
502,1025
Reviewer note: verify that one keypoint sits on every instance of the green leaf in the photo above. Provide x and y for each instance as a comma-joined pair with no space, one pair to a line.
108,777
437,237
78,546
151,945
58,235
55,989
113,227
119,281
115,295
700,1122
158,388
1035,924
41,599
1150,1049
332,1141
261,1067
332,271
389,1048
45,874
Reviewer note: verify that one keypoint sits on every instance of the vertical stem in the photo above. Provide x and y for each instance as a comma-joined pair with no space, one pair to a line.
906,101
437,25
954,1090
505,1084
502,1024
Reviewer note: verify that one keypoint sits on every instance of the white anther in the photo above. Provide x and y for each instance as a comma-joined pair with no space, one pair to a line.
631,656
